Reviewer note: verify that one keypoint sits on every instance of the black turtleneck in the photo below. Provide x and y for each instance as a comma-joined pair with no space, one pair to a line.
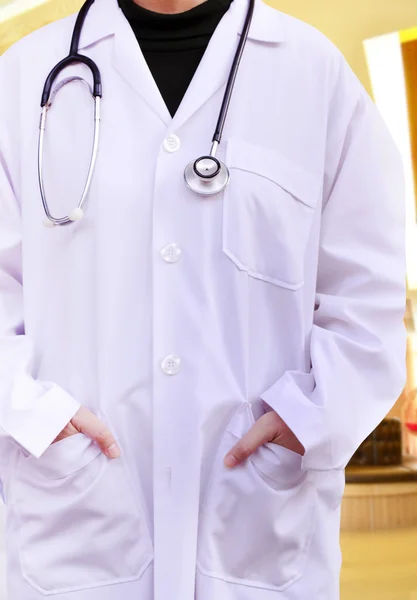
174,44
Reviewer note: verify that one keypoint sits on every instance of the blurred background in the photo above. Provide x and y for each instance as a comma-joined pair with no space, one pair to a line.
379,511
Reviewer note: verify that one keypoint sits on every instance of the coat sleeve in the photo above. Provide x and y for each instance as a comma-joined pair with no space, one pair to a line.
358,338
32,412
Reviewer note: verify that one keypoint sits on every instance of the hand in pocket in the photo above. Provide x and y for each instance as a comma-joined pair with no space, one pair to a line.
87,423
270,428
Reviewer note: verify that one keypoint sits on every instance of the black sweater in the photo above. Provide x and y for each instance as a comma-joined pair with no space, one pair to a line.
174,44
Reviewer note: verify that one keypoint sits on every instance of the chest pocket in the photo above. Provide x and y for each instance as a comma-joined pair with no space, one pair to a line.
268,213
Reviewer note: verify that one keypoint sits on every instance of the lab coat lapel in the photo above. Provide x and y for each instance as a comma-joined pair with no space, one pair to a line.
106,19
129,62
214,68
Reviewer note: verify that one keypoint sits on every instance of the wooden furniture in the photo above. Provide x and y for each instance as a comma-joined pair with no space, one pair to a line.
387,503
382,448
381,487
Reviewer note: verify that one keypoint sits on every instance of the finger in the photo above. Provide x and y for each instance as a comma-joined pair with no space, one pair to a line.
68,431
91,426
260,433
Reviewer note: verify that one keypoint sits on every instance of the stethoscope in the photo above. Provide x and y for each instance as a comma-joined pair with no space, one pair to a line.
205,176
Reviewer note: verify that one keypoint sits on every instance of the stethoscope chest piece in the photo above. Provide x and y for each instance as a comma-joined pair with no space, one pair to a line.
206,176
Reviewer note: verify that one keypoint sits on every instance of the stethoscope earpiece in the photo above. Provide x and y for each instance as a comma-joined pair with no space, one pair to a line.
48,223
76,215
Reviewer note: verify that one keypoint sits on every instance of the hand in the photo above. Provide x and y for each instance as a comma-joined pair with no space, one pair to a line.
87,423
269,428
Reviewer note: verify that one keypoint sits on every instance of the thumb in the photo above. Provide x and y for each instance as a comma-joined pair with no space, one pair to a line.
87,423
260,433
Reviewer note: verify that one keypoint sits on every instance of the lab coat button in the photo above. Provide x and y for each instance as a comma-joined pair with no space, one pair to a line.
172,143
171,364
171,253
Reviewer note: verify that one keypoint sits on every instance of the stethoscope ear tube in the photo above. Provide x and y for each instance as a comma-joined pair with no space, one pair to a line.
77,213
46,102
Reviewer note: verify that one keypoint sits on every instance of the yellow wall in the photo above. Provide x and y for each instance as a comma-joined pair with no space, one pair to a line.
347,23
17,27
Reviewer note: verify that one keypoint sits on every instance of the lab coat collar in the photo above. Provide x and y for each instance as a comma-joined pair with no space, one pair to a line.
104,16
106,19
100,22
267,23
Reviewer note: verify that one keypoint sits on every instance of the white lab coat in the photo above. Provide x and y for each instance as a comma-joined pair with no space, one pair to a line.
286,292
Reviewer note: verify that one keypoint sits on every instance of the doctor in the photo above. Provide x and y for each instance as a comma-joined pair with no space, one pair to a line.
183,377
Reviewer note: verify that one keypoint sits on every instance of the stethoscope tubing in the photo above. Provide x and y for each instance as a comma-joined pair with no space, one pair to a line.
233,73
46,102
195,180
73,58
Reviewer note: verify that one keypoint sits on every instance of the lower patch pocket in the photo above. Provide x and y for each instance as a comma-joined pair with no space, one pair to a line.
81,525
257,519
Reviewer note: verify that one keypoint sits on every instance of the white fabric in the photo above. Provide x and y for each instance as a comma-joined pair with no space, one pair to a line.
289,295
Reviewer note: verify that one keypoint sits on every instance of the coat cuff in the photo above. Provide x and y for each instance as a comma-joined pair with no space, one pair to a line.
290,398
38,429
